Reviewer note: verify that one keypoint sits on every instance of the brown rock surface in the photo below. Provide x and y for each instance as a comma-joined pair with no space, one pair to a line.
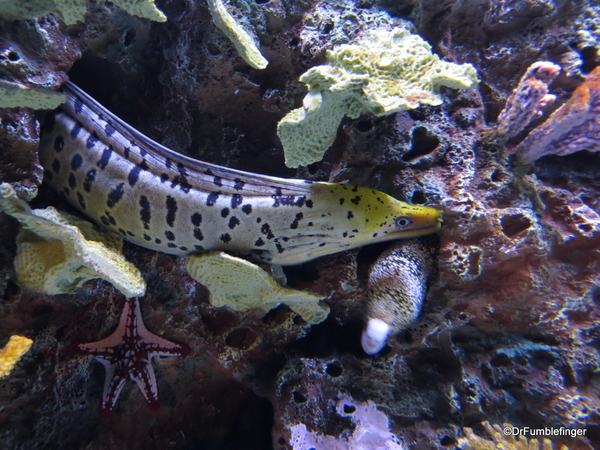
509,330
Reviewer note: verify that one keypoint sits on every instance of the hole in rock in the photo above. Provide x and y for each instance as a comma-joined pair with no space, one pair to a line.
281,440
419,198
220,321
276,316
242,338
334,369
498,176
589,55
129,37
328,28
298,320
260,2
596,296
474,264
349,409
13,56
447,441
515,224
501,360
418,113
12,292
313,168
423,143
364,125
299,397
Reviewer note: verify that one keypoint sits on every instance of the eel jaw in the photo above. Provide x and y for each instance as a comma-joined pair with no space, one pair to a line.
374,336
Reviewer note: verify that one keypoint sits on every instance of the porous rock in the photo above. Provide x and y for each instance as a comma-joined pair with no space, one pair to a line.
509,330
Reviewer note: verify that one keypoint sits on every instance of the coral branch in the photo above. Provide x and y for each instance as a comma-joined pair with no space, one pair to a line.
12,352
244,43
528,99
573,127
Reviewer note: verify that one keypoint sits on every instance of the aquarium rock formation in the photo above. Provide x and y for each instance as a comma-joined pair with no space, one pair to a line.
508,332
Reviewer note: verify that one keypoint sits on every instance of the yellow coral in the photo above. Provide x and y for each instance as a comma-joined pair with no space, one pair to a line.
501,440
12,352
72,11
243,42
381,73
58,252
241,285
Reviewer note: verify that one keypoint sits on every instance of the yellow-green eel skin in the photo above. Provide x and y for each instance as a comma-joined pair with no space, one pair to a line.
164,201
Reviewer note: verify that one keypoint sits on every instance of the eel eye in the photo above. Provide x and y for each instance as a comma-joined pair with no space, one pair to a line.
402,222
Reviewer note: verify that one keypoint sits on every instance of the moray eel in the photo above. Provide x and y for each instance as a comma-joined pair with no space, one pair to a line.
397,286
162,200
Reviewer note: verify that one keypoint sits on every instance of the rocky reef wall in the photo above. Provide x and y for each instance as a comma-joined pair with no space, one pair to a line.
509,331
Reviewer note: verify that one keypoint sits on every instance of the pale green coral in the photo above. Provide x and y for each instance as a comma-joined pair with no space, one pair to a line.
241,285
26,9
381,73
13,95
72,11
142,8
58,252
244,43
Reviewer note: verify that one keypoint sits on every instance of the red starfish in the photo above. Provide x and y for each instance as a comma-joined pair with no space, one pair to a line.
127,354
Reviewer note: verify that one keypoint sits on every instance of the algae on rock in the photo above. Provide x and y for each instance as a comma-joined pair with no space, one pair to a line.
13,95
72,11
382,73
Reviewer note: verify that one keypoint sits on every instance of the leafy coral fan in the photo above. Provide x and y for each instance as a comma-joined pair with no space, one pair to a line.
381,73
573,127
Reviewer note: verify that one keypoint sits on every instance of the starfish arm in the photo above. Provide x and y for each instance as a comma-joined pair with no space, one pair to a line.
146,381
92,349
155,345
113,384
127,353
103,347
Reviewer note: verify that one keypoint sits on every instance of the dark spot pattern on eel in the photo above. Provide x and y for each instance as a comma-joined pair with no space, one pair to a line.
115,195
171,210
145,212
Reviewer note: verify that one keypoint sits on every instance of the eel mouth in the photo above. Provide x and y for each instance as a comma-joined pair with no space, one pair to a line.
429,228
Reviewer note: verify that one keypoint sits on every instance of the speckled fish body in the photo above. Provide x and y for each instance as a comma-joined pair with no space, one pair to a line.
162,200
397,286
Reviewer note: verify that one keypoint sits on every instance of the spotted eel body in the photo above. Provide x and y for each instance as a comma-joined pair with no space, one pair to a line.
397,286
162,200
